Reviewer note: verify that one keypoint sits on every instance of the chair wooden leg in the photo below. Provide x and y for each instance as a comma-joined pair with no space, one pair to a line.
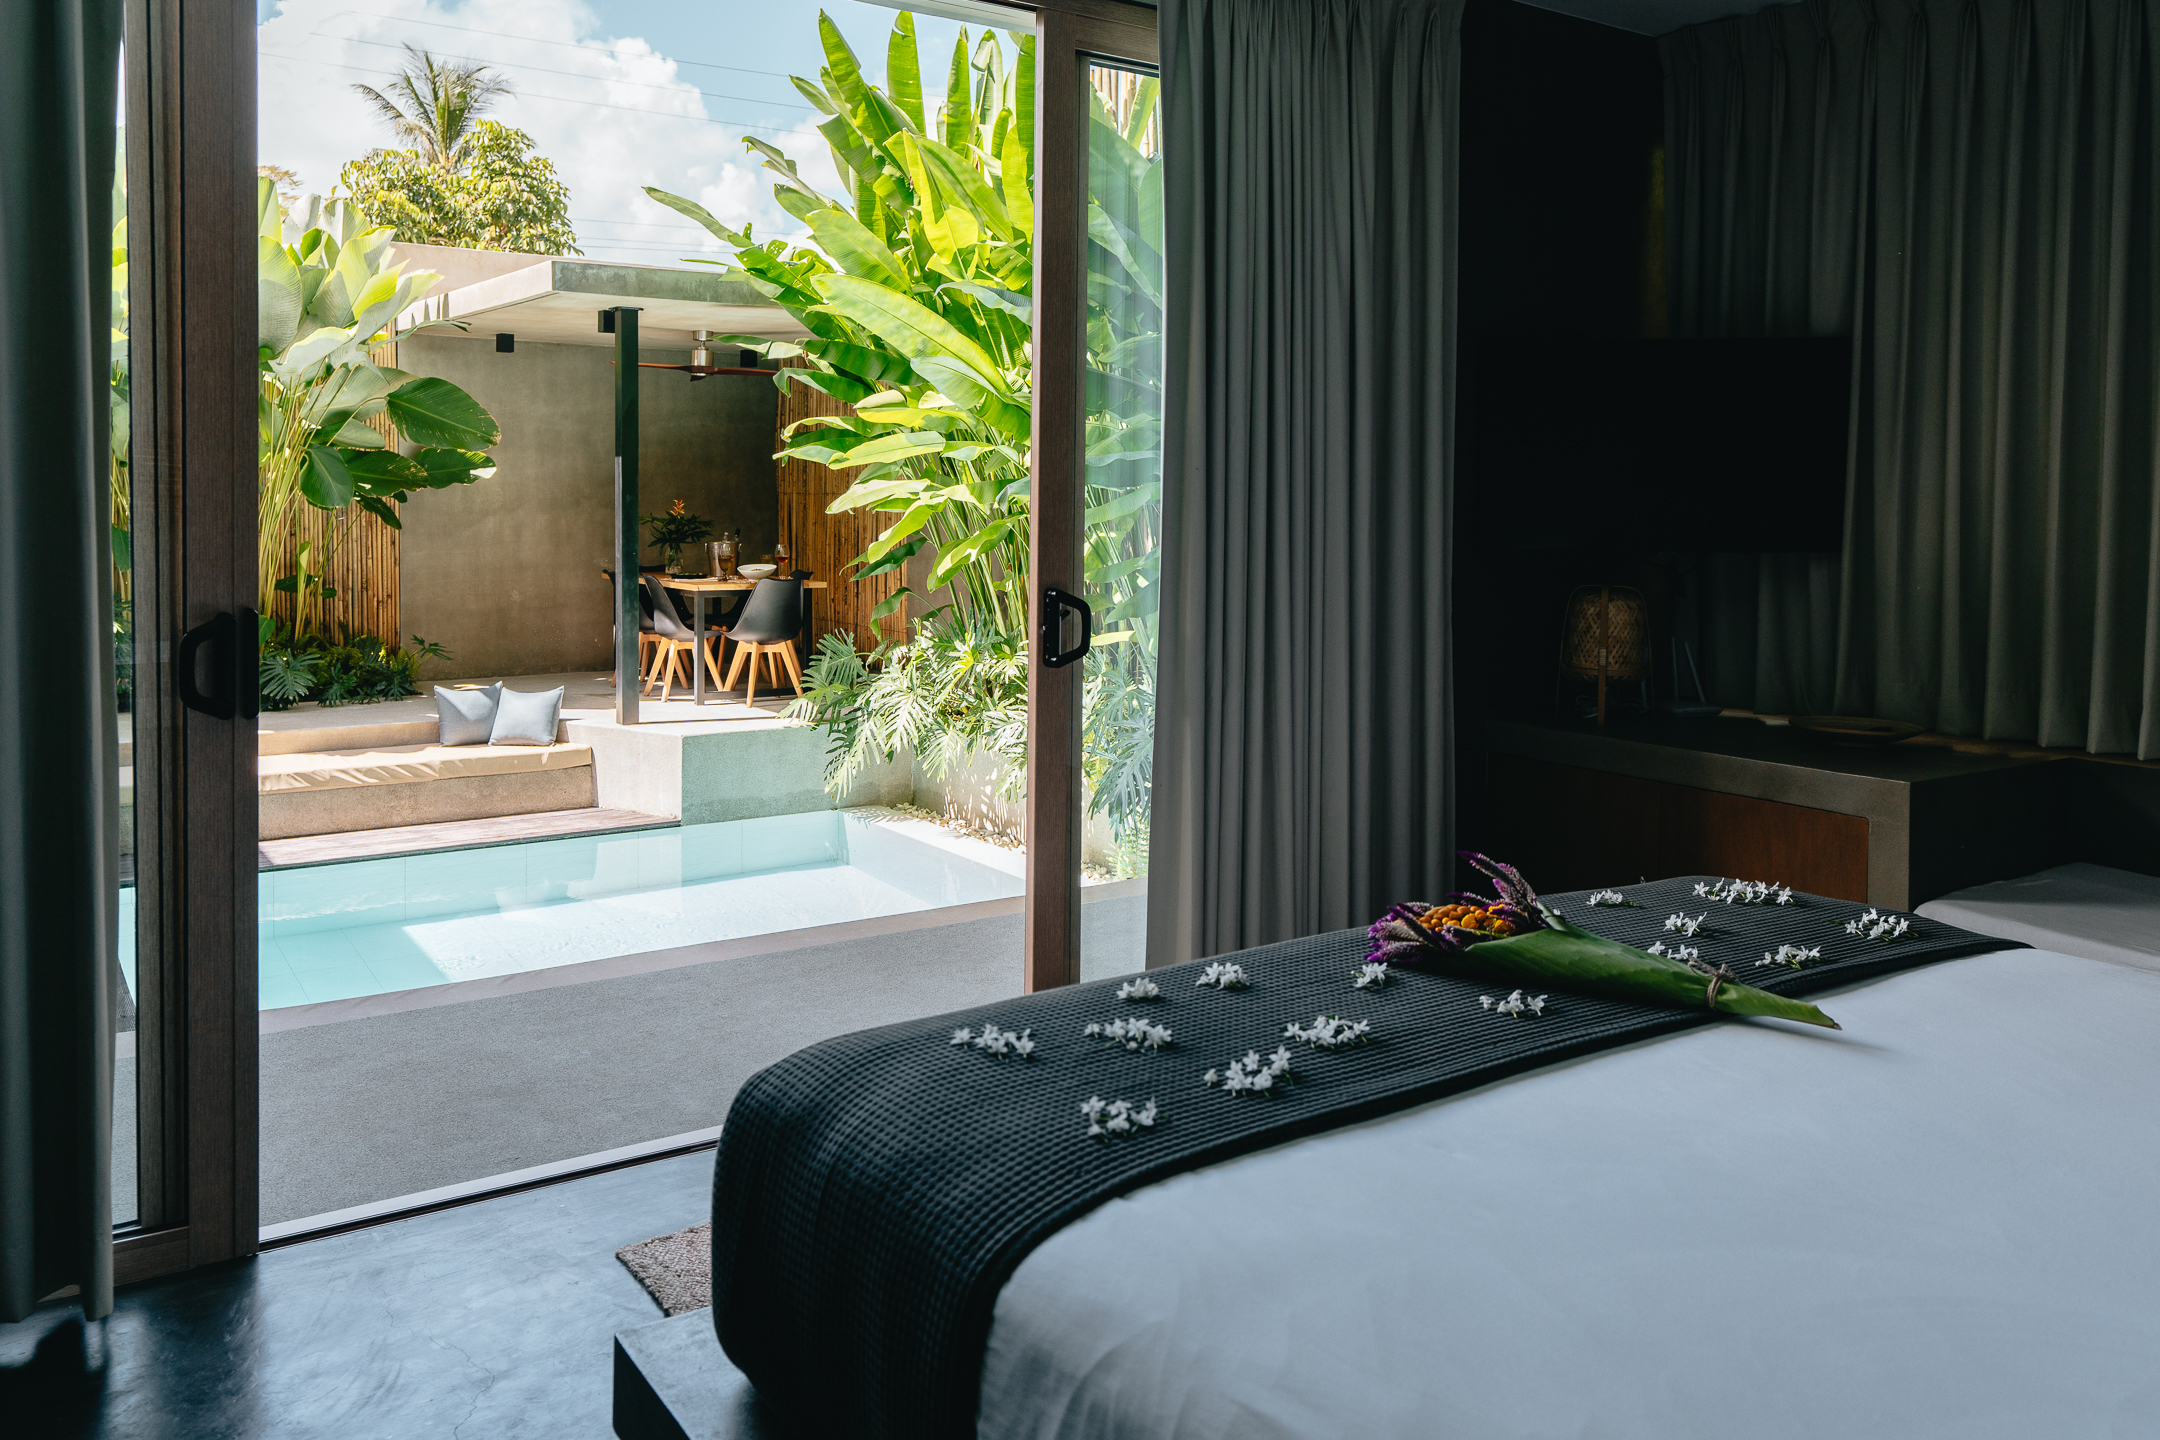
712,665
794,666
742,654
674,668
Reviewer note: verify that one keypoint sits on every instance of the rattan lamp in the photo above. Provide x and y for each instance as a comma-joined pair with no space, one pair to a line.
1607,637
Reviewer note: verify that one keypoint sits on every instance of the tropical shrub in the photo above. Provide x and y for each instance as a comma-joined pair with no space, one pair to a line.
917,293
350,672
326,296
504,197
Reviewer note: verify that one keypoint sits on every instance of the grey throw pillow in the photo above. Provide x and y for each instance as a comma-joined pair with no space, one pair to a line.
527,719
467,716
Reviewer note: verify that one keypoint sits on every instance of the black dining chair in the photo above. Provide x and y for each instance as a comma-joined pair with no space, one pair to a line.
647,637
676,640
765,630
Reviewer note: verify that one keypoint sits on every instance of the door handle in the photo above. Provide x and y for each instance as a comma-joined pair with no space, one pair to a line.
234,686
1055,603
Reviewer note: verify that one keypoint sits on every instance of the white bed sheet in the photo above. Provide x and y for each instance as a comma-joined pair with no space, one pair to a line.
1939,1222
2091,910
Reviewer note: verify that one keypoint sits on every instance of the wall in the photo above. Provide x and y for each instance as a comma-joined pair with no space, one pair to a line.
505,573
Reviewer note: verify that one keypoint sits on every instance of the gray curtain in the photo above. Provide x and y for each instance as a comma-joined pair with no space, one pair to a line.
1968,188
58,747
1303,772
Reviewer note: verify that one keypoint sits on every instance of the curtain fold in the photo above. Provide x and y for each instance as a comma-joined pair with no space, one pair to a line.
1303,756
1967,188
59,63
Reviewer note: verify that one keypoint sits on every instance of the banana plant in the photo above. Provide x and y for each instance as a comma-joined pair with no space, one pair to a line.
327,295
916,291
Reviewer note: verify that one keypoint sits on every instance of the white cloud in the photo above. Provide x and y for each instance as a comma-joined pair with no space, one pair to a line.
611,113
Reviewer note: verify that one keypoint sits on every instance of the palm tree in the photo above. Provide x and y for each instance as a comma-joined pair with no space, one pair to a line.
436,104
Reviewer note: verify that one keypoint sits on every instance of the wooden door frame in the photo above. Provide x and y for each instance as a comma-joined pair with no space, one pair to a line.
1071,35
190,88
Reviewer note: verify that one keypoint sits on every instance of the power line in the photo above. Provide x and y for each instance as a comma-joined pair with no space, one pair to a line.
559,99
576,75
564,44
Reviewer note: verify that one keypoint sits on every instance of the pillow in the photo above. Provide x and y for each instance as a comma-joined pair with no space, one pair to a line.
468,716
527,718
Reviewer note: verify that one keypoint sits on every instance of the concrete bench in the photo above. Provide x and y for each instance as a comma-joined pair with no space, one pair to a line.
407,779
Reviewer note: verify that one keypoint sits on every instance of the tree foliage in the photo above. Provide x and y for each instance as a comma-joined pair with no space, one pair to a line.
326,295
435,106
918,295
504,197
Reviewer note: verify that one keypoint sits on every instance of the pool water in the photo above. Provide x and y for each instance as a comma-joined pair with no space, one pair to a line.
368,927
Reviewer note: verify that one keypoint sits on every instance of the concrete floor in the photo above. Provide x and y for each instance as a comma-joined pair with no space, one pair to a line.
492,1321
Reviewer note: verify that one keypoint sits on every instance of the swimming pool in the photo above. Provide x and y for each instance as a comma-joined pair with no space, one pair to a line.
368,927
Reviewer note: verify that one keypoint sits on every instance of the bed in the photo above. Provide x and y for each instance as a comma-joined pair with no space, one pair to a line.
2095,911
1935,1222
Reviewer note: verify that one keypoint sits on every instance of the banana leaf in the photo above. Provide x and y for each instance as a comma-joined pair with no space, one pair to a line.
1567,957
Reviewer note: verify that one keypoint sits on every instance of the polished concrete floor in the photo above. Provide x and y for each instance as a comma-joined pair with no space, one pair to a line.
493,1321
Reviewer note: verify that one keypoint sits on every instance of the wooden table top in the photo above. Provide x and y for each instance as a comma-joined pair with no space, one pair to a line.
688,584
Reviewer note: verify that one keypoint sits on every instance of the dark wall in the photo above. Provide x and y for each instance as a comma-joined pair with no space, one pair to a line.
1557,235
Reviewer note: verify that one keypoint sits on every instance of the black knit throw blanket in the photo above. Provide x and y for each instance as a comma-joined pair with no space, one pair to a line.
874,1192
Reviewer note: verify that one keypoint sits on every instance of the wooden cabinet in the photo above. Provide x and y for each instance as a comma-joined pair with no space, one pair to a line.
1571,829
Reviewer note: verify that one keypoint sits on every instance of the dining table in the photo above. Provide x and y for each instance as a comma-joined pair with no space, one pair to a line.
698,587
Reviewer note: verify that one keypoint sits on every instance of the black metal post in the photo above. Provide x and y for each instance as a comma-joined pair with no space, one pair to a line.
626,514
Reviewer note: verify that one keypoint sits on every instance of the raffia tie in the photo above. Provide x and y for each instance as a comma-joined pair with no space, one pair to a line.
1718,974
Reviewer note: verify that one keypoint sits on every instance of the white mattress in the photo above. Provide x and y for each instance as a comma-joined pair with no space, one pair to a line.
1938,1222
2087,910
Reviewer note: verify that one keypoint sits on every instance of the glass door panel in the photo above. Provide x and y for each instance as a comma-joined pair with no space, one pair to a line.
1122,520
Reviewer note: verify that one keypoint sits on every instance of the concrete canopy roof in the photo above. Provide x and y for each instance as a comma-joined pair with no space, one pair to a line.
557,301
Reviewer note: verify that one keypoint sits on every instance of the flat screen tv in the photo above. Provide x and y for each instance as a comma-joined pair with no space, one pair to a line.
1683,445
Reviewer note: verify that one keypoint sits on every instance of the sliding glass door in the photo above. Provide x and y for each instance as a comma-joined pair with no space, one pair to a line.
1098,496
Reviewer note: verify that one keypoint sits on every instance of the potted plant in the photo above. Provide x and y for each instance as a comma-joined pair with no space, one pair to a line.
677,528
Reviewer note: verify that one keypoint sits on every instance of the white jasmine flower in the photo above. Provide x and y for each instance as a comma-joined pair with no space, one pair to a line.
1116,1117
1614,897
1518,1005
1487,1000
1133,1034
1873,926
1702,889
1793,955
1211,1077
1687,927
1784,896
1373,975
962,1036
1224,976
1678,952
1329,1032
1140,989
993,1041
1251,1075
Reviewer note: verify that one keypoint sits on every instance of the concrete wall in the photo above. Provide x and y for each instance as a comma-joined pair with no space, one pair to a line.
505,573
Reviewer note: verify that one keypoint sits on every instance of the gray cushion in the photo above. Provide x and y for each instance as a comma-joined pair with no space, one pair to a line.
527,718
467,716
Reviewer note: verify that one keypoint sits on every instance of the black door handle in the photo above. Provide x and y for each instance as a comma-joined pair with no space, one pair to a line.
1055,603
234,685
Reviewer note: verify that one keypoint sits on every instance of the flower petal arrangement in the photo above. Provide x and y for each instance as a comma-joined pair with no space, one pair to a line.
1330,1032
1370,976
1516,1005
1139,989
1872,926
1251,1075
1110,1119
1746,892
1538,949
1223,976
1133,1034
993,1041
1793,955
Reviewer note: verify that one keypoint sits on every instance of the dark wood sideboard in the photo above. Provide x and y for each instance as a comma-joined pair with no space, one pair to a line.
1895,826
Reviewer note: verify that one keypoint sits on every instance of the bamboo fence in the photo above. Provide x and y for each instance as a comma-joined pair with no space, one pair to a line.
825,543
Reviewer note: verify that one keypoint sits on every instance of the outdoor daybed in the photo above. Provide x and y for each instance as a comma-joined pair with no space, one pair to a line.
417,782
1929,1223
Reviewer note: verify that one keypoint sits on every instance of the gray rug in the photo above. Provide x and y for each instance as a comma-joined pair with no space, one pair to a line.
676,1270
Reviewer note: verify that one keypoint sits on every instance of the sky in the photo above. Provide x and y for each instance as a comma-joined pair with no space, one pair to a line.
619,94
